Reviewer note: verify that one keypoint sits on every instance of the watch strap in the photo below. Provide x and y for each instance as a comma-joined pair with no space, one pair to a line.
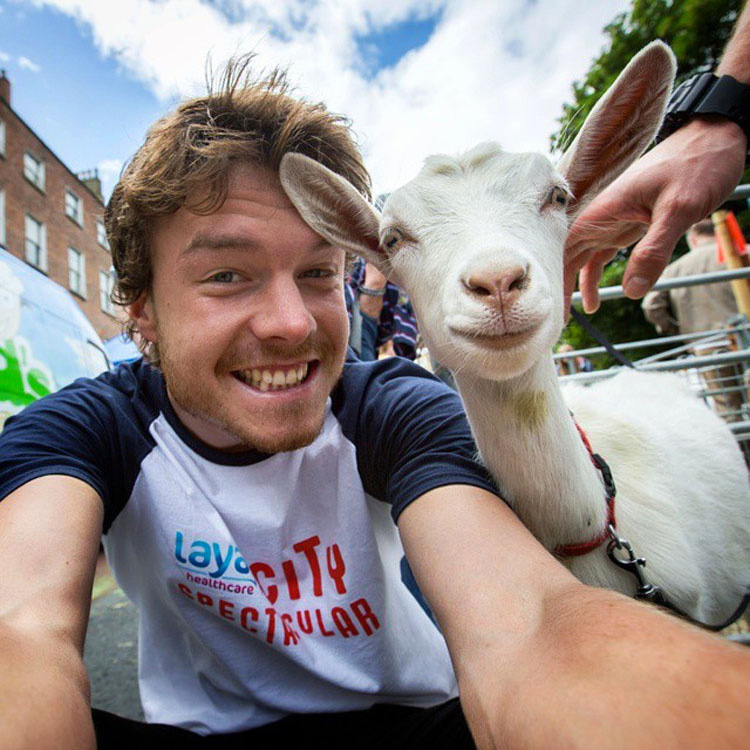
369,292
707,94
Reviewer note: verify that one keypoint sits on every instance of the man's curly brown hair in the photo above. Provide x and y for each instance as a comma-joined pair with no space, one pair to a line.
187,155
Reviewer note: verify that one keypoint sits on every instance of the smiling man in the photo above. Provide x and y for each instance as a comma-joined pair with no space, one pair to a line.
273,332
245,479
243,476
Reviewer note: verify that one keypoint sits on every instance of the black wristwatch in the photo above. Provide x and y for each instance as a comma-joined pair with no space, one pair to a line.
707,94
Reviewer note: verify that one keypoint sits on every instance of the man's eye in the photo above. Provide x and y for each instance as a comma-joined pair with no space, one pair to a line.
319,273
224,277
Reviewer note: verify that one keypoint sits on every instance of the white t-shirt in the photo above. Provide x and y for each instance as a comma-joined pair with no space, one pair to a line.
266,584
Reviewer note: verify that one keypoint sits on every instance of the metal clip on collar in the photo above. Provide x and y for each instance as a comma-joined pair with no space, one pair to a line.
648,591
632,564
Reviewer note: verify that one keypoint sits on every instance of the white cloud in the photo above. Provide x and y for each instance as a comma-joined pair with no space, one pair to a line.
110,167
24,62
492,70
4,57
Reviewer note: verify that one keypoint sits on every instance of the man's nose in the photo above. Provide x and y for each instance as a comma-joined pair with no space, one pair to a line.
285,314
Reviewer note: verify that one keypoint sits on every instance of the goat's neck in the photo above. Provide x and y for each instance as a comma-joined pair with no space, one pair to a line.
530,443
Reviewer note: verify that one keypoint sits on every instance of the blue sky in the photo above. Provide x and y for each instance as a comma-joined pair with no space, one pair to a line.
415,76
75,99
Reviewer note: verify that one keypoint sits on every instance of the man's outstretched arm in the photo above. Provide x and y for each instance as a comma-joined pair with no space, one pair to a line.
679,182
49,539
544,661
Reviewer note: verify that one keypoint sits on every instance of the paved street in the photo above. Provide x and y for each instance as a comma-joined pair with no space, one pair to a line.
111,652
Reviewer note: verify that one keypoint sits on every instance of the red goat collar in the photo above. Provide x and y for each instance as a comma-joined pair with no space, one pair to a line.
583,548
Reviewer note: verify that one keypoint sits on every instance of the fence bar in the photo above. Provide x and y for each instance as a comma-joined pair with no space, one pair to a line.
715,277
720,391
707,360
645,343
678,350
687,363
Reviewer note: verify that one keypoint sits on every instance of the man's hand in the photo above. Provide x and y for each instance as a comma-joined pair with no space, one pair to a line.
680,181
373,279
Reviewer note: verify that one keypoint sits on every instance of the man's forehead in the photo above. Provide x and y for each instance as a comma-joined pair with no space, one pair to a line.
245,182
249,197
255,212
243,175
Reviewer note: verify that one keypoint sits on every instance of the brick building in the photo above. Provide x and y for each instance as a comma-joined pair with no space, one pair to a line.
53,218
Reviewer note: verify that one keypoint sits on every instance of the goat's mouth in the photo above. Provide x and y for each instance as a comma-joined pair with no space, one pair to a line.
506,340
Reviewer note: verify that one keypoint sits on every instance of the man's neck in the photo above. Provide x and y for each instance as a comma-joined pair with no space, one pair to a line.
213,435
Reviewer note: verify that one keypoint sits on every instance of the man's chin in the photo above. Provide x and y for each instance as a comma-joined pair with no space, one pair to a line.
283,443
296,429
268,429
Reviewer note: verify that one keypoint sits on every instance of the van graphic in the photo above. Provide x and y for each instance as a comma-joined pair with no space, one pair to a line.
46,341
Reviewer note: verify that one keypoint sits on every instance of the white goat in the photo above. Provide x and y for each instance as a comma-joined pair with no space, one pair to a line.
477,241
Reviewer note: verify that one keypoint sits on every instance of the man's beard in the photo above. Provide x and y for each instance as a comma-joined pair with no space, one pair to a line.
203,403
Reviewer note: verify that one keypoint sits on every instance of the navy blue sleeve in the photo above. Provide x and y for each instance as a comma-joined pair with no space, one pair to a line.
88,430
410,431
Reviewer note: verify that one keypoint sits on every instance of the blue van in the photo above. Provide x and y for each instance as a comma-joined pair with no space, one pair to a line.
46,341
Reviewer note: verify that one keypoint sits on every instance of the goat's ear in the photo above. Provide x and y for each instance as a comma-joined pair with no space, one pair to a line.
621,125
333,208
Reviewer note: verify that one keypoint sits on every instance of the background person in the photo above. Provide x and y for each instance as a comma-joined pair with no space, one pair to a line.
386,317
692,309
695,309
572,365
380,313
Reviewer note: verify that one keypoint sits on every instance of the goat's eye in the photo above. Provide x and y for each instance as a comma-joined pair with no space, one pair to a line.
392,237
558,196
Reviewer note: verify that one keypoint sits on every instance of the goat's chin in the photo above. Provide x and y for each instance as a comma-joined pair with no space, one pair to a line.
493,357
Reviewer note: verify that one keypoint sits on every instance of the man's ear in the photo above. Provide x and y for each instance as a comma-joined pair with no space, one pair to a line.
621,125
333,208
141,312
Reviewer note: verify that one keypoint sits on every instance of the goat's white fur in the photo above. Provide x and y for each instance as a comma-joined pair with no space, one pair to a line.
465,224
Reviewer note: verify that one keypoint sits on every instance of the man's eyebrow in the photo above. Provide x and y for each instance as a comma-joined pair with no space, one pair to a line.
218,241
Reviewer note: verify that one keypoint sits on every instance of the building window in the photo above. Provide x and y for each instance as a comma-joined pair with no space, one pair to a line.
2,218
76,272
2,138
36,243
33,170
106,285
74,207
101,234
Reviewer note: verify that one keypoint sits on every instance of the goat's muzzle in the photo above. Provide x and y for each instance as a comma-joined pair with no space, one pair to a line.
497,289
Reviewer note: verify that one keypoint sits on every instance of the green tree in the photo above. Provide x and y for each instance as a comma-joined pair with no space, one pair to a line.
697,31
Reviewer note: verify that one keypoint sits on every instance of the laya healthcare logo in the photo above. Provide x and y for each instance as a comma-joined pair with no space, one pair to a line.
298,579
212,558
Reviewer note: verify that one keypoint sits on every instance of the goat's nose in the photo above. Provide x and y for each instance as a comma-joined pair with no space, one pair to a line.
503,287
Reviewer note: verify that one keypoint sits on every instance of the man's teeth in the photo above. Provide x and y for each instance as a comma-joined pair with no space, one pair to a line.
274,380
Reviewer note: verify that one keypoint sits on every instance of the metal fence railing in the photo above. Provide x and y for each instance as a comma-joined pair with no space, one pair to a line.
715,364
